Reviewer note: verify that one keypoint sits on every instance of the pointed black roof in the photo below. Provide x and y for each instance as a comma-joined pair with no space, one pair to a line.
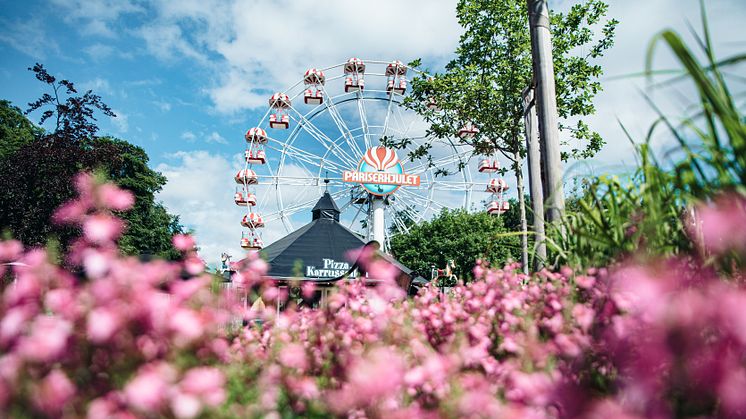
319,250
325,208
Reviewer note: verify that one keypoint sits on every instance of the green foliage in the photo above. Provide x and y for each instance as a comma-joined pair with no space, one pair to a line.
646,213
15,129
484,84
455,235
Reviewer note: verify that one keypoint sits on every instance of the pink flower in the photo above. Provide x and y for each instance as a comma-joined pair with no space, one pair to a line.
723,224
115,198
187,326
185,406
206,383
55,391
48,339
100,228
293,356
10,250
96,263
584,316
183,242
584,281
103,322
148,390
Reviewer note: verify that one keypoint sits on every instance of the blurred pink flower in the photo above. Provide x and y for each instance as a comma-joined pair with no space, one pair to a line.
148,390
101,228
584,316
47,340
54,393
723,223
187,326
183,242
115,198
10,250
206,383
102,322
294,356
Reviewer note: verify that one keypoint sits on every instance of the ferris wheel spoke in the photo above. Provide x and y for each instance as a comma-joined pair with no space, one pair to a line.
341,124
363,118
308,157
439,163
308,126
296,208
408,211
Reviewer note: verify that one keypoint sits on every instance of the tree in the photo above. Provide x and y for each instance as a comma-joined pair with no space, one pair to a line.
455,235
37,175
15,129
483,85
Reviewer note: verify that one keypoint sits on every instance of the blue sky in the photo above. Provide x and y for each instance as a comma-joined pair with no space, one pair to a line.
187,78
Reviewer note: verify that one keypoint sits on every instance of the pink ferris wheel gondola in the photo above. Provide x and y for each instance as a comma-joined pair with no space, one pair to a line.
432,104
398,87
396,68
497,186
489,166
354,65
468,131
353,84
251,242
279,121
246,176
256,135
255,156
279,101
313,97
252,220
314,77
498,207
244,200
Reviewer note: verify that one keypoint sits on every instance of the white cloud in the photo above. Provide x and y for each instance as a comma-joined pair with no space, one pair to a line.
121,122
95,17
214,137
29,37
98,85
188,136
162,105
199,190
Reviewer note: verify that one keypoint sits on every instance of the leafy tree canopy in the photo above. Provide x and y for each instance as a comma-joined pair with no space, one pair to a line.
484,83
15,129
455,235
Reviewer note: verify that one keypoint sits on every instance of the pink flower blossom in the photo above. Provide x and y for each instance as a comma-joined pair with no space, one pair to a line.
47,340
115,198
100,228
183,242
148,390
55,391
294,356
206,383
103,322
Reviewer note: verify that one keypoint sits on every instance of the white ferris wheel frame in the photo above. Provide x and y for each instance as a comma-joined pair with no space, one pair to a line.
344,153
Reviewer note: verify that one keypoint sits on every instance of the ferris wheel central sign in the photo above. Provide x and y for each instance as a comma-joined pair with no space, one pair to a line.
380,172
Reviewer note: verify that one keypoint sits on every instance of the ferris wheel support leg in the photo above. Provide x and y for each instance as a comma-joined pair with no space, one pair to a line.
378,208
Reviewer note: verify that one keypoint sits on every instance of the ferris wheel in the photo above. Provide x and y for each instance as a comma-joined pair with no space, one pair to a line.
329,133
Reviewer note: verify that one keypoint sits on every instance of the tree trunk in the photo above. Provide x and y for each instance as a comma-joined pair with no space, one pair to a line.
546,102
517,166
531,123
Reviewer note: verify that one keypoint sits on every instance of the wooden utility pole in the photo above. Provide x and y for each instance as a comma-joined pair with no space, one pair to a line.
546,103
531,123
